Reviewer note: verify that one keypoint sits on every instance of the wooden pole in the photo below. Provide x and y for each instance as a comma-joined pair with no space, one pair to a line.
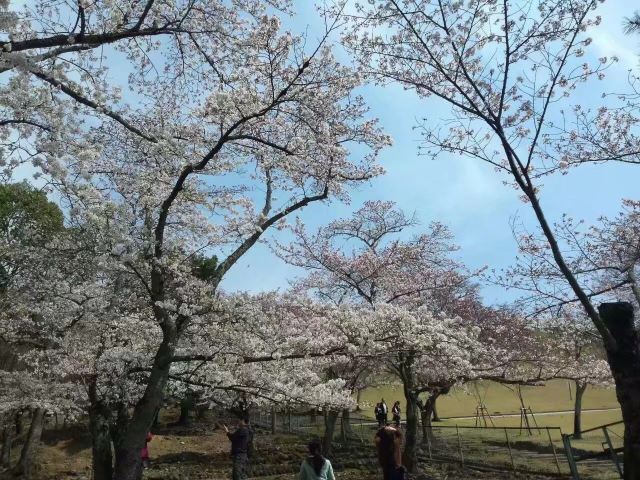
513,463
572,462
460,446
553,449
614,455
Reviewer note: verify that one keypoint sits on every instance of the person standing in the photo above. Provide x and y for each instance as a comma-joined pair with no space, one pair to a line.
385,412
388,445
240,442
378,413
395,411
316,467
144,453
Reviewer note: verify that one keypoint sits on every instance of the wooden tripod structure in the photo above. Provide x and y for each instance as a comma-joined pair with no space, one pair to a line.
483,417
526,416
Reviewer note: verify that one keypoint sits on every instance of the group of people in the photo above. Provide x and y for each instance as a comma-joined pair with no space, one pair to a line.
381,413
388,442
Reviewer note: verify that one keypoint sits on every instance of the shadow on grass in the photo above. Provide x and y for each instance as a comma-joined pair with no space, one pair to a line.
73,439
194,458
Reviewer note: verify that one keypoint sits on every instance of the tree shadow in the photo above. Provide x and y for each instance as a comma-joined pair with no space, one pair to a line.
194,458
72,439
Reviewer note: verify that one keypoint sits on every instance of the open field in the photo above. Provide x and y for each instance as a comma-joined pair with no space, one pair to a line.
499,399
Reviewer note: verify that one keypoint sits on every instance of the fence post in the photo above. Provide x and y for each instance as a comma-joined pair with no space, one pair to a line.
513,463
572,462
460,446
430,431
614,455
553,448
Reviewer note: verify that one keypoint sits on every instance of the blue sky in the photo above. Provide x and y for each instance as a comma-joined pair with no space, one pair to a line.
466,195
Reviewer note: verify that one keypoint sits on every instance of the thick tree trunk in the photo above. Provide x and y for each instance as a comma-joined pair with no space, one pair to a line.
19,421
156,420
577,409
436,418
329,430
128,464
186,404
426,415
201,412
358,396
624,361
410,453
30,447
5,458
101,451
345,426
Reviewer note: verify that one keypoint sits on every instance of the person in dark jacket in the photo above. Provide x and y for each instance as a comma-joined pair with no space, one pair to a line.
379,415
388,445
395,411
240,443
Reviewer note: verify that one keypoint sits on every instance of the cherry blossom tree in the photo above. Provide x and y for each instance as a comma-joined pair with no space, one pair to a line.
54,57
364,259
604,258
420,347
269,122
507,70
224,130
574,348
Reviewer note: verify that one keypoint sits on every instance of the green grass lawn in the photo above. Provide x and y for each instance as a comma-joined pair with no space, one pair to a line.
499,399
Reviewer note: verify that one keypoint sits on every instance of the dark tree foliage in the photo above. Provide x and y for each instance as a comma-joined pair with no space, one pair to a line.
204,268
27,218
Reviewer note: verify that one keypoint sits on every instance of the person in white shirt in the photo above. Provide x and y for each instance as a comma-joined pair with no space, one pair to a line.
315,466
385,412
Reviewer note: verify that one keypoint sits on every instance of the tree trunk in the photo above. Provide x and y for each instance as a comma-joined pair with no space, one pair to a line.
156,420
345,426
436,418
358,396
201,412
577,410
30,447
7,439
410,453
128,464
426,415
329,429
101,451
185,408
19,421
624,361
100,427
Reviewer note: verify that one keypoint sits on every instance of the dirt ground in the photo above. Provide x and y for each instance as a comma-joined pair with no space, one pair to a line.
200,452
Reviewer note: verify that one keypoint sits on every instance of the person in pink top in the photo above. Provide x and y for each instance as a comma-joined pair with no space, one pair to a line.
144,453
